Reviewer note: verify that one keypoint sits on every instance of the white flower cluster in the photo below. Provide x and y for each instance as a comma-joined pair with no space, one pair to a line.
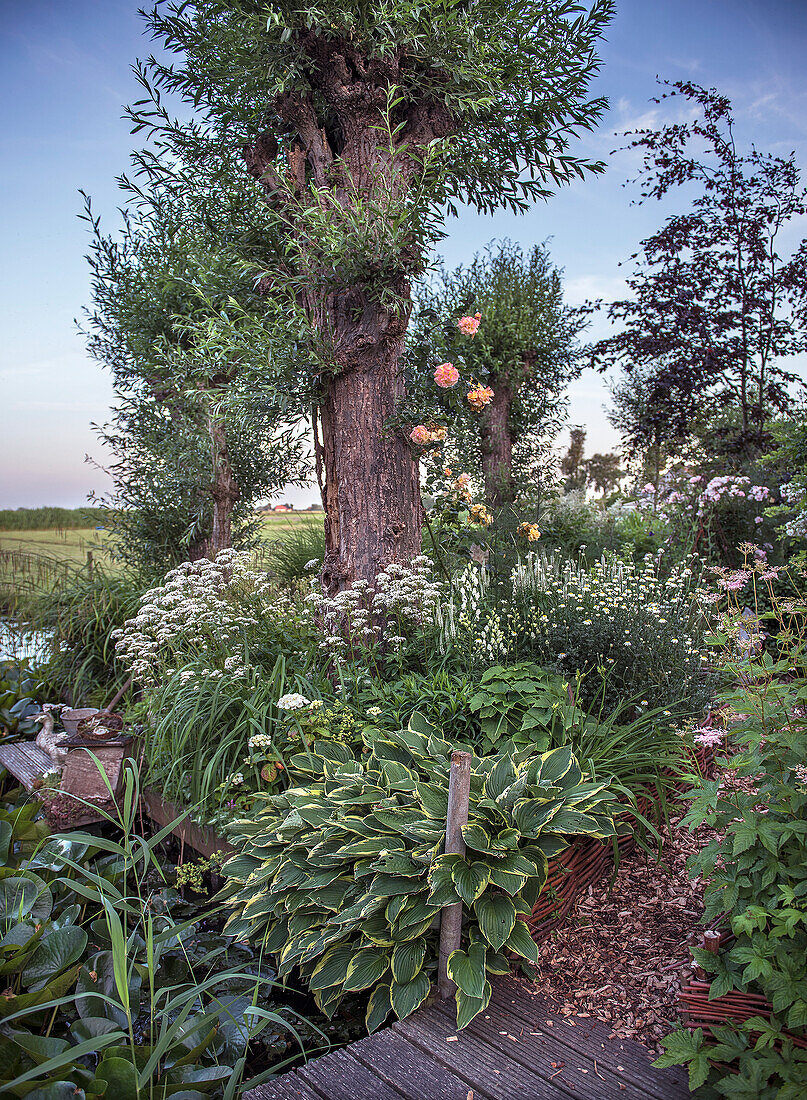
403,599
202,607
794,493
552,596
293,701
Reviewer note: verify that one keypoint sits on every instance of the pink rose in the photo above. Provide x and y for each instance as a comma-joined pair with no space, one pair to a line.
469,325
420,434
446,376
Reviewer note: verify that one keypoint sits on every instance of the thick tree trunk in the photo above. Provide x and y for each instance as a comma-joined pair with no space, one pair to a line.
371,492
224,489
496,443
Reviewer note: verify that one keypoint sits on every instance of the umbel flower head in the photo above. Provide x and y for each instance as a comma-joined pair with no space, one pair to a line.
469,325
446,376
479,396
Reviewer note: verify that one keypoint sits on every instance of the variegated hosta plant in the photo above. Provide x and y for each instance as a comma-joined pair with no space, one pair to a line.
344,877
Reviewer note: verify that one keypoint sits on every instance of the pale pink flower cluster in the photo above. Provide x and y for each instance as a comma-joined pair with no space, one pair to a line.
708,738
469,325
446,376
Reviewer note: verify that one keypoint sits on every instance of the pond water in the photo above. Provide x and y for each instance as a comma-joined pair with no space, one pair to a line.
17,643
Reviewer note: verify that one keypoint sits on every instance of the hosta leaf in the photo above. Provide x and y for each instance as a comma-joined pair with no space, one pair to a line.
532,814
407,959
331,970
469,1007
377,928
378,1008
434,800
575,822
398,863
409,996
555,764
368,966
467,970
385,886
502,776
476,837
371,846
496,963
521,942
470,879
497,915
416,911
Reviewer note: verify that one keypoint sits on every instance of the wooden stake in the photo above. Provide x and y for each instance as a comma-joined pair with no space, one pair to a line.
459,789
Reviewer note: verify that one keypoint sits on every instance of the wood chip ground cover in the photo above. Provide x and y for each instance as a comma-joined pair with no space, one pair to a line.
623,952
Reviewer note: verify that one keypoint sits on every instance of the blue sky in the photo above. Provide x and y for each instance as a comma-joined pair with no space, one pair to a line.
65,74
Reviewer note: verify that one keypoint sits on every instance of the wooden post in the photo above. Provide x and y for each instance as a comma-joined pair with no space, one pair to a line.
89,564
459,789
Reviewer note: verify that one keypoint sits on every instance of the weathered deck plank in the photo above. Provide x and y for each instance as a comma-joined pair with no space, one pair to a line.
520,1049
406,1068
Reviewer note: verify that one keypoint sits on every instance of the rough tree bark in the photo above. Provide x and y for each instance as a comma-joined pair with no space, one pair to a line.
371,491
224,488
496,444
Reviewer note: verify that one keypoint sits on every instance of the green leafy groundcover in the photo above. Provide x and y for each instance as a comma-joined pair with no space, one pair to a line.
344,877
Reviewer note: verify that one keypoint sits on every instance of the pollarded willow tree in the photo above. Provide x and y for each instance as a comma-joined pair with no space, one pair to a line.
169,303
361,124
525,350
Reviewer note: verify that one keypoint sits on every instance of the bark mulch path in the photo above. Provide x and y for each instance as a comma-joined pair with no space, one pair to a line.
623,952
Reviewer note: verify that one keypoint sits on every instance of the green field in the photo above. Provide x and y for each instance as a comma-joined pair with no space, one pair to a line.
34,558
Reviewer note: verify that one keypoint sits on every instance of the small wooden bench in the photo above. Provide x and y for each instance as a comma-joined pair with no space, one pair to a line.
25,761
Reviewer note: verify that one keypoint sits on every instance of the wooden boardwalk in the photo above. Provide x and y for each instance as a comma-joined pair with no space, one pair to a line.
518,1050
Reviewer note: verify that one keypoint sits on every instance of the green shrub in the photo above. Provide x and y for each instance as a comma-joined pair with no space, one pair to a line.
344,878
756,867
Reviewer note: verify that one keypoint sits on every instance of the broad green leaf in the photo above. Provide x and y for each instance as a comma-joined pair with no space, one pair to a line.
409,996
407,959
469,1007
378,1008
332,968
521,942
555,764
470,880
467,970
368,966
497,915
53,953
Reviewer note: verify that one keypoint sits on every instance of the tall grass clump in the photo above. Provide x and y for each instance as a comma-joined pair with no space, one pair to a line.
80,613
298,554
205,728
